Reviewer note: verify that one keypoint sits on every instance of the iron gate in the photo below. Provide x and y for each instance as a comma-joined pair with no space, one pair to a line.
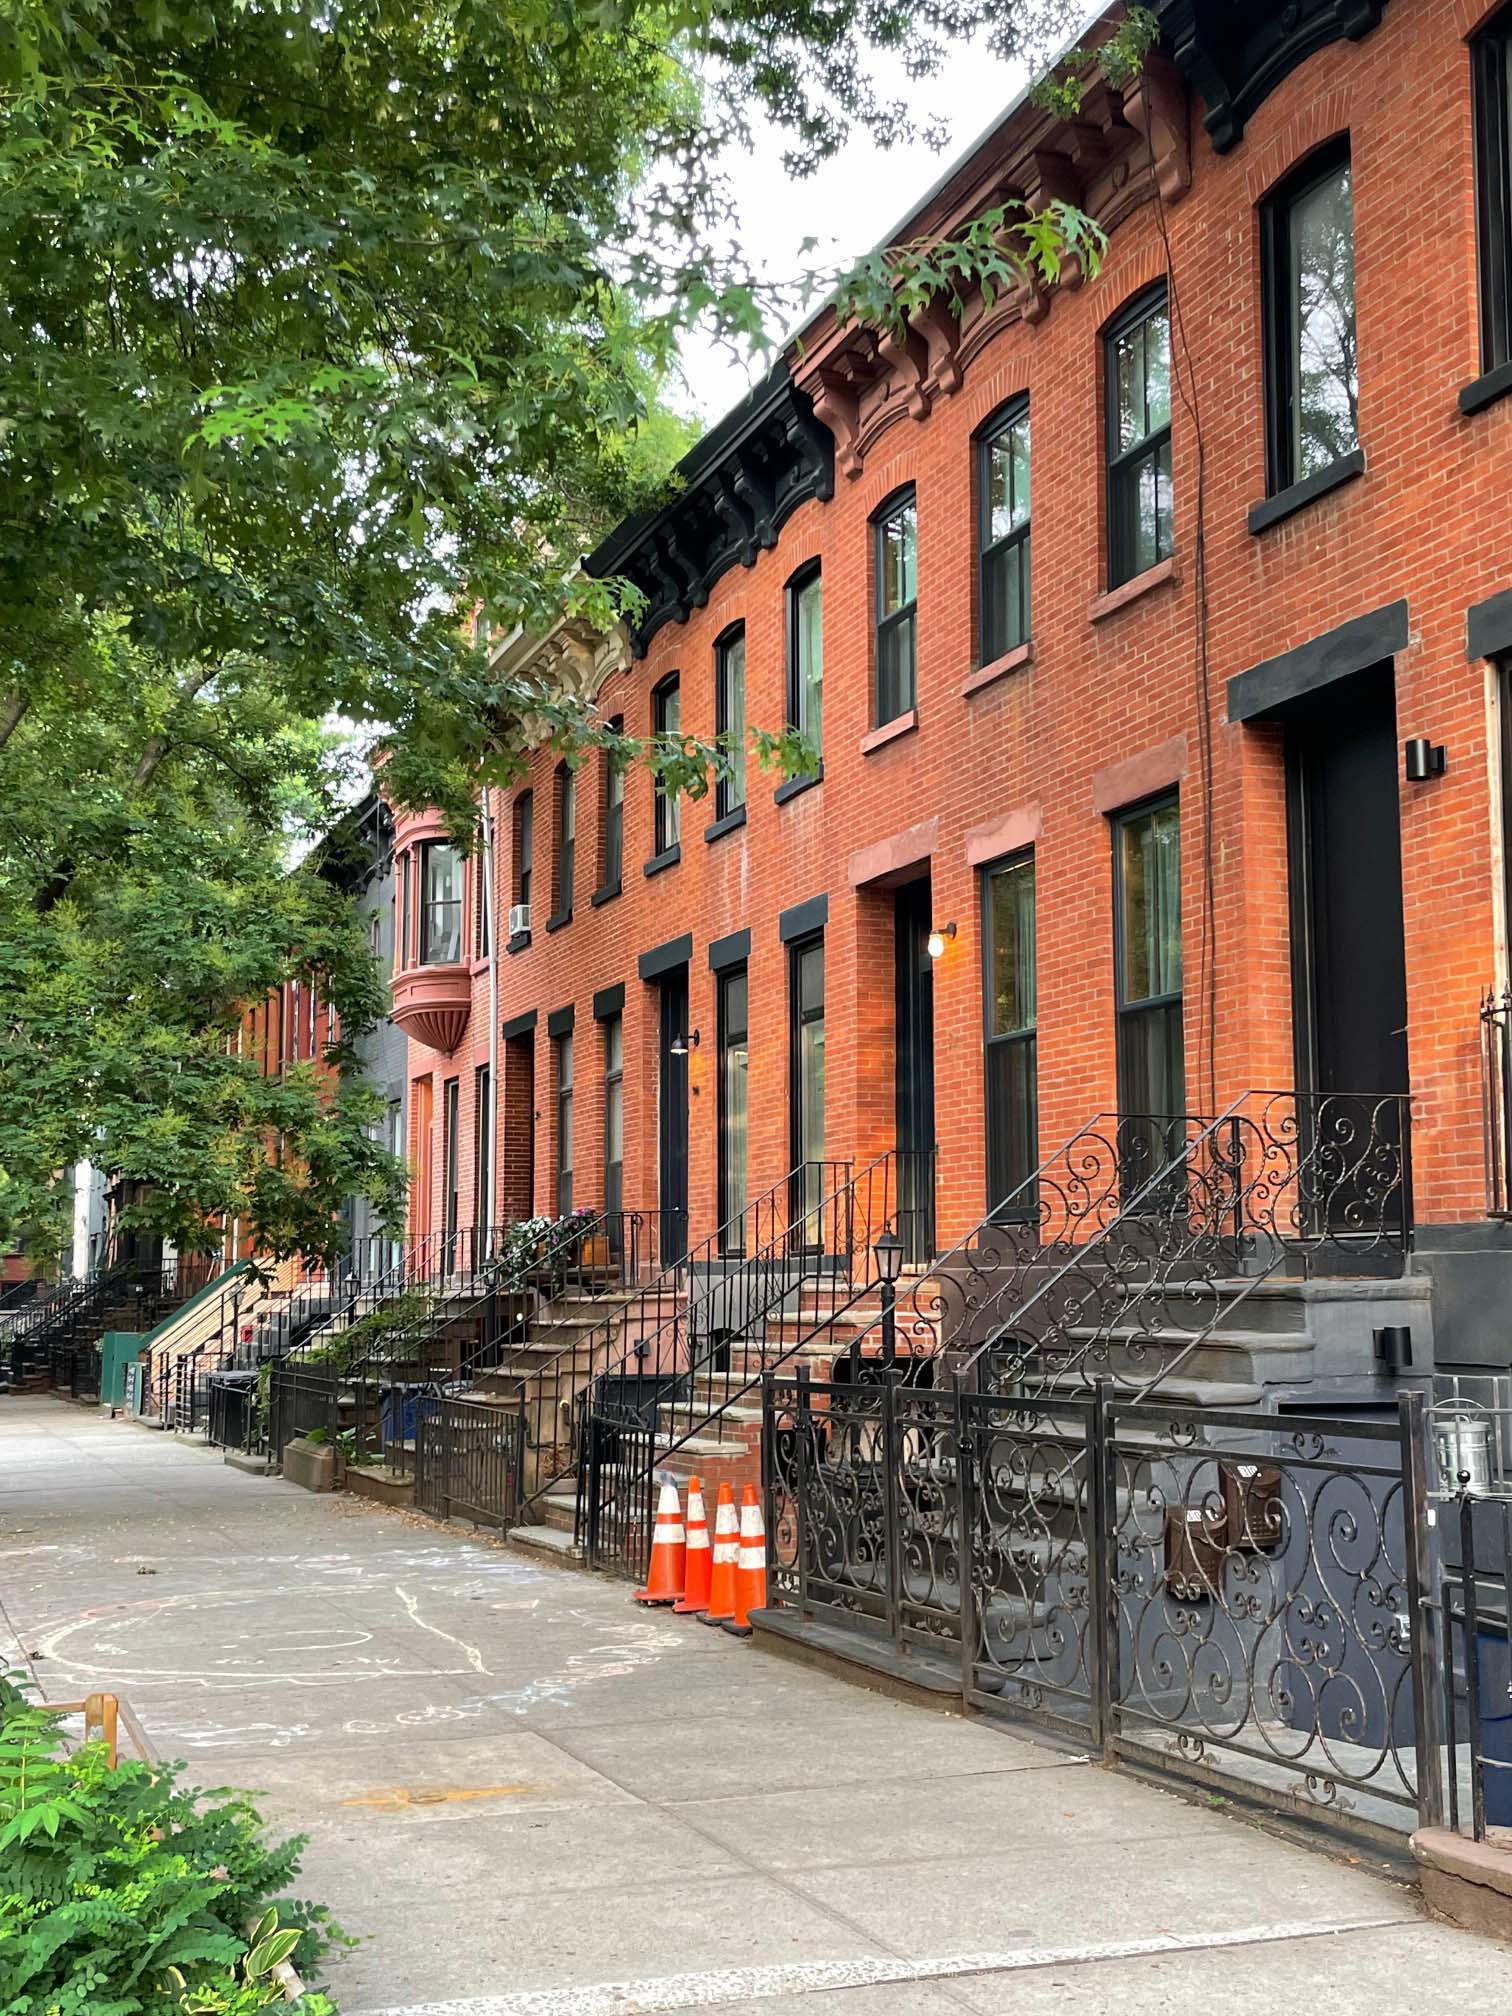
619,1488
467,1462
1236,1597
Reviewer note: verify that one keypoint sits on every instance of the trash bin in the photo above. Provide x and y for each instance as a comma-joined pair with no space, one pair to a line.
233,1406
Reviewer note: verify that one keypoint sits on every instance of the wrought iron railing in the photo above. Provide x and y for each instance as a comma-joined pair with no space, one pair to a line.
1476,1654
467,1457
1236,1599
132,1293
686,1381
1496,1100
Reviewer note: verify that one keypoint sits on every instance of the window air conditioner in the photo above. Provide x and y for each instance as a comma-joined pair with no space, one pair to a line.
519,919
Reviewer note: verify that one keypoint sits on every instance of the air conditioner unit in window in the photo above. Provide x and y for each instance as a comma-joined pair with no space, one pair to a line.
519,919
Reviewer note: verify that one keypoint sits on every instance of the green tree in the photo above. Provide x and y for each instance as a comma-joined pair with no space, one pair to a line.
320,324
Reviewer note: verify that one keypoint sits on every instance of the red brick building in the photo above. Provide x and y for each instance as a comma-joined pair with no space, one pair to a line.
1144,622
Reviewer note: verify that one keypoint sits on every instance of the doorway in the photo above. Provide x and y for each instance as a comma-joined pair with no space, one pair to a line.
672,1114
914,1070
1344,831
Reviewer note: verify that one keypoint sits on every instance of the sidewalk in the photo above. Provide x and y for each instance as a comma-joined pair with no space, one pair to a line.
531,1799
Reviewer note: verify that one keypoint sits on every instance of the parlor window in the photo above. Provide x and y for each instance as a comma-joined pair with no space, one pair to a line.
805,657
440,904
614,815
1491,60
1312,383
566,847
1003,505
896,530
1137,371
524,847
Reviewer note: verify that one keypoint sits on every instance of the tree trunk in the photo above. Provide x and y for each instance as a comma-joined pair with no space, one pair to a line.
12,708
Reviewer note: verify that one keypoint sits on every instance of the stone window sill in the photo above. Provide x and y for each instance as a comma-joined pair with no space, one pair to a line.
1297,496
561,920
988,675
605,895
890,731
519,942
727,822
1486,390
1109,604
794,787
668,858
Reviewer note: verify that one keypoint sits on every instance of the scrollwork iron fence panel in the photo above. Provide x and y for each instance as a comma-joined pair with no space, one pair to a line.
1031,1639
1266,1581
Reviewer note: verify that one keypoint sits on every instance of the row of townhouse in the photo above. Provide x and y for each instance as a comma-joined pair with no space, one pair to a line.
1153,633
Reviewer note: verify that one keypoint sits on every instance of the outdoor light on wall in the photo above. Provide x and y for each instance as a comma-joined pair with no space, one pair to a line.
1424,759
682,1045
938,939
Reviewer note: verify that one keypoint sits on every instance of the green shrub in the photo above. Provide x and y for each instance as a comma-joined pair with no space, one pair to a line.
126,1895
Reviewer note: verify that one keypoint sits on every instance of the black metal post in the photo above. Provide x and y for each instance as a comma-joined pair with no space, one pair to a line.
892,1512
1102,1571
889,1324
1411,1411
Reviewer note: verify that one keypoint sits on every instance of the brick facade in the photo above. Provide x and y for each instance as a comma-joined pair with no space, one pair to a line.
1115,696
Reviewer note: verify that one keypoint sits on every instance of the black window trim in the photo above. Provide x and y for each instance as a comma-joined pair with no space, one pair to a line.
1025,1037
994,427
1144,305
801,578
666,844
565,850
611,819
1125,815
725,803
1493,192
1314,167
886,511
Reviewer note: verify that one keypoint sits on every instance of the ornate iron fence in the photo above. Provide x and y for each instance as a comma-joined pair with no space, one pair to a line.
616,1504
1476,1654
1234,1598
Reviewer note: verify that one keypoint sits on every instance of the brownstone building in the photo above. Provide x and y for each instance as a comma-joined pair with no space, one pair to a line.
1152,631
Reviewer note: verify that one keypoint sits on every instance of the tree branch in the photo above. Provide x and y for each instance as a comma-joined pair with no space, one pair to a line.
158,745
12,708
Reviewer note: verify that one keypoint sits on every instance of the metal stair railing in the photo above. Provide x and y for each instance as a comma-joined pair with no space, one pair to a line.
767,1225
1307,1182
686,1355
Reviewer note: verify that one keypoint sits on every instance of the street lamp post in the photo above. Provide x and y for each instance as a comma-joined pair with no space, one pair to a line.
887,1251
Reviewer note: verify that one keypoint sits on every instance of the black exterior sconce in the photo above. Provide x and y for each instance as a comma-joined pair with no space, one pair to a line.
1393,1348
1424,759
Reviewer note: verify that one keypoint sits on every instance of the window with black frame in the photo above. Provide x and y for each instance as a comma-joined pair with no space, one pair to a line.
614,1114
896,530
806,1079
1009,957
614,816
1491,61
1003,494
1148,975
730,719
564,1124
440,904
1312,357
805,658
733,1062
666,720
566,794
1137,373
482,1157
451,1116
524,846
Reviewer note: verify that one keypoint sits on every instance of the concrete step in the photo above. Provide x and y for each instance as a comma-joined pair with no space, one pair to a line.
551,1541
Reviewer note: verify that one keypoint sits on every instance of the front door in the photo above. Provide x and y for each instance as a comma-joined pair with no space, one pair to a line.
1346,876
914,1069
673,1115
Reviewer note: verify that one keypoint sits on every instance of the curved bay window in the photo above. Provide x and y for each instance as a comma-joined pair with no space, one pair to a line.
1137,376
440,904
897,560
1312,373
1008,952
1148,973
1003,492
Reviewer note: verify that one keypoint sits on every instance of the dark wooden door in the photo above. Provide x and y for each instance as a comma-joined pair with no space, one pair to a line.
1346,870
673,1116
914,1067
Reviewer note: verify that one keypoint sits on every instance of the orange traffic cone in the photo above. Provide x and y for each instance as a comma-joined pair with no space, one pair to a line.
700,1559
726,1553
750,1565
669,1549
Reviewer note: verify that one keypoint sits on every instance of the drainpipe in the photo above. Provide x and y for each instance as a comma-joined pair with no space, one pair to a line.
491,923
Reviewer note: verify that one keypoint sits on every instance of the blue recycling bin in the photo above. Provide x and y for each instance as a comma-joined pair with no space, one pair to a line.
402,1408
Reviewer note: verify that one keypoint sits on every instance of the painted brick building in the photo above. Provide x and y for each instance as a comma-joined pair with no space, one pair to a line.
1135,599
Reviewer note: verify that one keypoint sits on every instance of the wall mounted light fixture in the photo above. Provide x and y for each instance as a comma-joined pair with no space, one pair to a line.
1423,759
682,1045
938,938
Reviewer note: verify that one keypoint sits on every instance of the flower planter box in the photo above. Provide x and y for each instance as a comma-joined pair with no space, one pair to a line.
311,1465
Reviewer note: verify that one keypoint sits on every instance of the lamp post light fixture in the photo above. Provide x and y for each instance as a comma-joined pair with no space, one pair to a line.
887,1251
940,935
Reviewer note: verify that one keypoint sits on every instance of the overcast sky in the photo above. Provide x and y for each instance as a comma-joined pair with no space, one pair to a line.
847,205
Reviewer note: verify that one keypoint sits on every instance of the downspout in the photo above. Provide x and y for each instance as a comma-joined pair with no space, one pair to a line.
491,924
